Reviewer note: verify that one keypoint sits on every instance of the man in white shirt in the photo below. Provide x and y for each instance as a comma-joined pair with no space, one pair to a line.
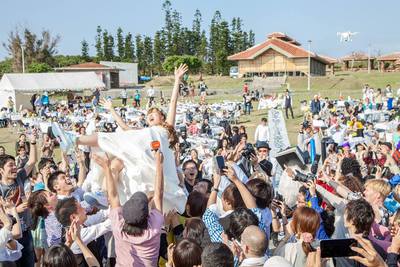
150,94
262,131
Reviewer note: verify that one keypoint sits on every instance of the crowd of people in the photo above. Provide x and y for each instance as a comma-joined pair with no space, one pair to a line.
184,187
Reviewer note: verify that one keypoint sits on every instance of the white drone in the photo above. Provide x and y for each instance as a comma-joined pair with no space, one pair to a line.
346,36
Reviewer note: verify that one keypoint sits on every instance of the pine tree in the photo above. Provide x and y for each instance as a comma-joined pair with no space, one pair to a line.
110,47
139,52
85,51
196,33
106,55
120,44
148,55
168,27
251,39
99,51
159,51
129,49
213,43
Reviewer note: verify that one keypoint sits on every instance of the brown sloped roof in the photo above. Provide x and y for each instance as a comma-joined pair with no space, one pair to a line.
252,52
89,65
356,56
390,57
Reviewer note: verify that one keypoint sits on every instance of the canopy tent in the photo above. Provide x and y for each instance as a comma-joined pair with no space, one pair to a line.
21,86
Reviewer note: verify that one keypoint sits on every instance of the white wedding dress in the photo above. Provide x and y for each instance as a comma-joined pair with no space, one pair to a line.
133,148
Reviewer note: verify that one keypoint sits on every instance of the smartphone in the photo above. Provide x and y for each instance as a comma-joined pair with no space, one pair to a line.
338,248
220,162
278,197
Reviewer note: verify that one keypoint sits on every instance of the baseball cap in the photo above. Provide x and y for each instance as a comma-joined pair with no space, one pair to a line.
136,209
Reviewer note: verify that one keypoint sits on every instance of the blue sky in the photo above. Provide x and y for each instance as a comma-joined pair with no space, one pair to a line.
376,21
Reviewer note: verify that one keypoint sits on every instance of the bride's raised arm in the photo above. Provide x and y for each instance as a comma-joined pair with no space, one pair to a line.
179,72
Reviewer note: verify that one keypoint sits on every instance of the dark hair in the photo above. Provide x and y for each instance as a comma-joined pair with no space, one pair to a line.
232,195
239,220
43,161
264,119
136,229
64,209
36,202
361,214
4,159
328,221
187,253
197,230
351,166
261,191
197,203
209,184
52,180
59,256
188,162
217,255
235,129
352,182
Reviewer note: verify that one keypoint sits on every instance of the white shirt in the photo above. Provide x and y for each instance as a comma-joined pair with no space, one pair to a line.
262,133
150,92
5,236
88,234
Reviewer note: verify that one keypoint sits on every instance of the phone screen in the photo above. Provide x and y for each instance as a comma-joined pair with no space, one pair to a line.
220,162
338,248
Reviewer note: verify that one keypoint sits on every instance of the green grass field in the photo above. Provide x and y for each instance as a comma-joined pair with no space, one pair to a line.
347,83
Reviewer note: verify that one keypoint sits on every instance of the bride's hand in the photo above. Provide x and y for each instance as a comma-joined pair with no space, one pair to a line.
106,103
180,71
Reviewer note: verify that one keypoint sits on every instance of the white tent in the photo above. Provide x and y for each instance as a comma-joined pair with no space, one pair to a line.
21,86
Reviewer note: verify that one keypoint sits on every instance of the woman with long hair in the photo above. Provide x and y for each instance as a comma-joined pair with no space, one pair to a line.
304,226
133,147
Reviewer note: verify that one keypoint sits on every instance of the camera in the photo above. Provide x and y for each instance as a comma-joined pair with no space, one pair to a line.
248,151
303,177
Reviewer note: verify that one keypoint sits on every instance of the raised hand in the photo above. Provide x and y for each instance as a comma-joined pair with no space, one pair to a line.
180,71
107,104
367,254
230,173
103,162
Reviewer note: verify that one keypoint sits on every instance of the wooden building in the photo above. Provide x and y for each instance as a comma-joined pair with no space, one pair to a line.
357,61
390,62
277,56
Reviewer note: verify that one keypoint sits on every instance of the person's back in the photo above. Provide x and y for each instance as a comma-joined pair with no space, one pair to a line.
140,250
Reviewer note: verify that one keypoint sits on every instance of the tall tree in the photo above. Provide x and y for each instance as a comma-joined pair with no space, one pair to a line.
40,49
252,39
85,51
139,52
110,47
120,44
214,38
196,32
106,55
159,52
99,49
148,55
168,26
129,50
